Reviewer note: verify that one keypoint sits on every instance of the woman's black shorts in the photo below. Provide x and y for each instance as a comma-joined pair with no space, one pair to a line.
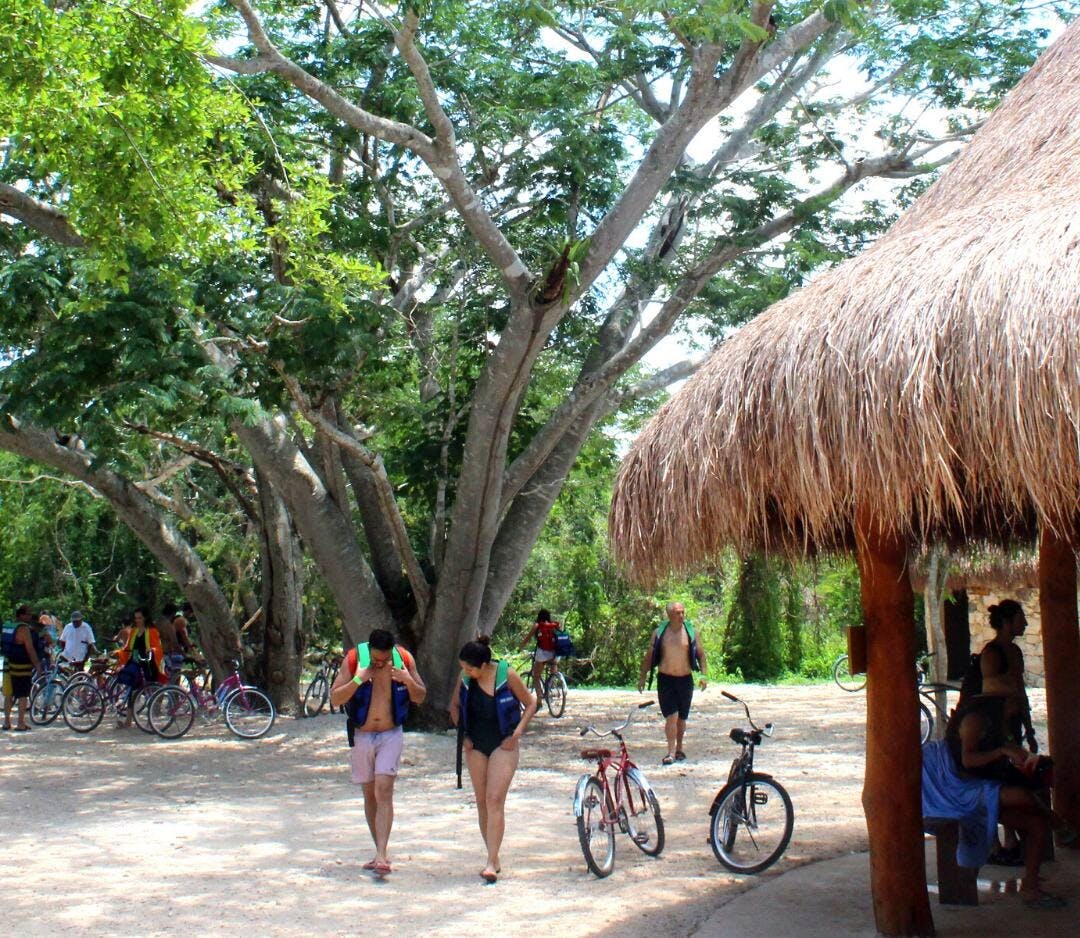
675,694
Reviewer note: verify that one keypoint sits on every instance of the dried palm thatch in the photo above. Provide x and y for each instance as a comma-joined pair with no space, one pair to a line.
982,567
934,378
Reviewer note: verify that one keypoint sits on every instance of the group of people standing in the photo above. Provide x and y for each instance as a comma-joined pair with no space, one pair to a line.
492,708
33,642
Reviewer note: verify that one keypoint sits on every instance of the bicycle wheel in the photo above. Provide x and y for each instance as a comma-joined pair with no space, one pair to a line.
926,723
140,701
751,824
171,712
45,702
249,713
597,838
555,691
83,706
845,680
644,824
315,696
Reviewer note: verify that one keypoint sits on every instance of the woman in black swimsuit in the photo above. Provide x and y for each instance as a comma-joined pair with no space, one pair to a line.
495,708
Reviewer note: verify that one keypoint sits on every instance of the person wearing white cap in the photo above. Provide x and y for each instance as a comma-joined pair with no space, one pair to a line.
77,641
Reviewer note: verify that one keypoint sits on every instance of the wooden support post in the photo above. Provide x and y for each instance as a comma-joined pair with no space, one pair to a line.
1061,655
892,791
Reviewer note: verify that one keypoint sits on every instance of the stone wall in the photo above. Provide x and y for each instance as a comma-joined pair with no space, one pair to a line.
1030,642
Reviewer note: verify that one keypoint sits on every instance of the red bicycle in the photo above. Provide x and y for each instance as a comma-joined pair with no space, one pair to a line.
626,802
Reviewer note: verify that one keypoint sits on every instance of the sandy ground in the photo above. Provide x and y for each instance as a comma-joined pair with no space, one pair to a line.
120,832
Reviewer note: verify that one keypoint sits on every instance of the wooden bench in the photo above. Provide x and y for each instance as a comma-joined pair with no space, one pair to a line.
957,885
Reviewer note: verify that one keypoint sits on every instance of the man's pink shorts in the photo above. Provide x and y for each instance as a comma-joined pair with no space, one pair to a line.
375,754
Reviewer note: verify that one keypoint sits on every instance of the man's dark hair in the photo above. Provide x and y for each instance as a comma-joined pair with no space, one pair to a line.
22,611
381,640
168,610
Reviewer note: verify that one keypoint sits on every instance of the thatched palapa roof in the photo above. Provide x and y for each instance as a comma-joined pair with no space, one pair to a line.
935,377
982,568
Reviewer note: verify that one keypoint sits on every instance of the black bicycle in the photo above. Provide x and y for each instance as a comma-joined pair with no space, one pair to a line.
554,688
752,815
317,694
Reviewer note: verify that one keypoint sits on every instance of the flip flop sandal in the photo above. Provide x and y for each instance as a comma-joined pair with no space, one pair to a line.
21,729
370,865
489,878
680,756
668,760
382,869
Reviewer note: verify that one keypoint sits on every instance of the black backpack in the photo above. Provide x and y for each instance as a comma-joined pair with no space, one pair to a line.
972,683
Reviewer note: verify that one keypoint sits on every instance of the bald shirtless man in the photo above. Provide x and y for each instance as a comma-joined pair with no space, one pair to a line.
676,651
377,682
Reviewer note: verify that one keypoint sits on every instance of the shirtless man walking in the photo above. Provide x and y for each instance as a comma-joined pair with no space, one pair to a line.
675,650
377,682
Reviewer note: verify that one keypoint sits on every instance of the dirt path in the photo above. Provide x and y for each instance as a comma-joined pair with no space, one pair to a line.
116,832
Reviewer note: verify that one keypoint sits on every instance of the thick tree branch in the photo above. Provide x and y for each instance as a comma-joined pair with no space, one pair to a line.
146,521
40,216
724,250
357,117
705,98
420,587
680,371
233,476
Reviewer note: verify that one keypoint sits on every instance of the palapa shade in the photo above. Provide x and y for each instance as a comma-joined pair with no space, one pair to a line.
934,378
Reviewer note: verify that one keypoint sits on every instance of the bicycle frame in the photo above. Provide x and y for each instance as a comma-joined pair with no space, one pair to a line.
619,793
625,772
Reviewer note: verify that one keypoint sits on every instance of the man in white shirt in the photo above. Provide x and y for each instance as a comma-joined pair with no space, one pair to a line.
77,641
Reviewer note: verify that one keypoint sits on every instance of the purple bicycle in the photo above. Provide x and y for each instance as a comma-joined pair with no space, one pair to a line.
249,713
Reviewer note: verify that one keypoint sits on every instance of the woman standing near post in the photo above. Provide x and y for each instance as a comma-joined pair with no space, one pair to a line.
494,708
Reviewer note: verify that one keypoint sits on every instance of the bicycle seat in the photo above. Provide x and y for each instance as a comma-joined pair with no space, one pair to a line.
595,754
742,737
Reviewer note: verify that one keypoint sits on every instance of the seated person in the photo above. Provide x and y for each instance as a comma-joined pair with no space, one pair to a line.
979,774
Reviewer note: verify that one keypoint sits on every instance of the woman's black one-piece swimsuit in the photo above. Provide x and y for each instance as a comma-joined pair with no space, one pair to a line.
483,720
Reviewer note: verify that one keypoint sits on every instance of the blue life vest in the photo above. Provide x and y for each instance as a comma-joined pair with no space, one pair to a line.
7,641
507,706
358,707
14,651
695,651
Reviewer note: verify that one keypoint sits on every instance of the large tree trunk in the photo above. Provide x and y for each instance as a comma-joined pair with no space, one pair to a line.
282,601
1061,655
386,562
892,792
327,534
527,516
217,631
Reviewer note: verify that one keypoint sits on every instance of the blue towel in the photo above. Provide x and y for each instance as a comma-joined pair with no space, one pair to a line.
946,793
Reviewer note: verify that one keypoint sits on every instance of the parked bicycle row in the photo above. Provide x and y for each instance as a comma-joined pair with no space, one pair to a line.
151,680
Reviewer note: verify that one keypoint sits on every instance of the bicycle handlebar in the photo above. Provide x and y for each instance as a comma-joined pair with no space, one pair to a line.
766,729
585,730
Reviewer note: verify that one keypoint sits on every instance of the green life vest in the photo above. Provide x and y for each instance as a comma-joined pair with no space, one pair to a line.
695,650
358,706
